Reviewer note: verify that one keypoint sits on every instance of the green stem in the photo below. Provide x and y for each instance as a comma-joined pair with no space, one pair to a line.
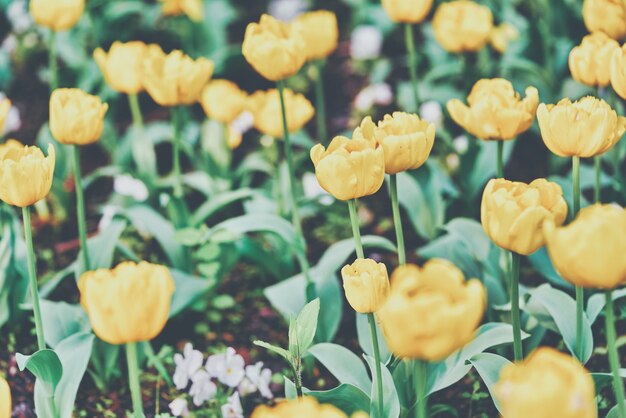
379,373
515,312
32,275
356,232
420,388
412,58
597,165
579,290
397,219
618,383
133,379
80,208
52,62
297,376
178,180
135,110
320,103
500,160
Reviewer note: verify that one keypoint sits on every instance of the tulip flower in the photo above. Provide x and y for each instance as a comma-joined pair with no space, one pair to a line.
407,11
122,66
319,31
5,106
10,144
58,15
192,8
301,408
462,26
547,384
5,399
608,16
366,285
502,35
266,108
588,61
618,71
223,101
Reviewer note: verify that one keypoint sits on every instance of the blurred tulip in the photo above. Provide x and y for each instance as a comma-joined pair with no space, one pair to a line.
274,49
547,384
76,118
618,71
265,106
192,8
306,407
585,128
129,303
5,106
588,61
10,144
513,213
25,175
462,26
320,33
431,311
223,101
589,252
366,284
122,66
174,79
5,399
57,15
407,11
234,137
349,168
502,35
495,110
608,16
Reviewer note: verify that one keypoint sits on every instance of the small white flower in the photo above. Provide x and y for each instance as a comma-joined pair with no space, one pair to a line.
383,95
179,408
364,100
257,378
187,364
287,10
431,111
227,367
461,144
366,42
453,162
374,94
18,15
313,190
202,388
243,123
130,186
233,408
108,212
9,45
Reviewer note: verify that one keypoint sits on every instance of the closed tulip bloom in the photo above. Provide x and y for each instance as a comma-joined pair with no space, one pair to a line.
494,110
512,213
122,66
192,8
349,168
76,118
462,26
10,144
585,128
306,407
502,35
274,49
5,106
588,61
5,399
129,303
589,252
618,72
407,11
174,79
547,384
608,16
57,15
431,311
223,101
320,33
265,106
25,175
366,284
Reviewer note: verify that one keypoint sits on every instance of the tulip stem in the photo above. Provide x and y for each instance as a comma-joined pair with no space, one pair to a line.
133,379
420,379
142,147
397,219
52,61
379,373
320,103
80,209
597,165
311,291
178,180
412,58
356,232
32,275
515,313
500,160
618,384
579,290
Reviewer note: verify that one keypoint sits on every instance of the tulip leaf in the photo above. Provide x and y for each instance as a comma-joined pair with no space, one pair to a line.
365,339
306,324
218,202
488,366
346,397
391,402
542,263
346,366
101,248
46,367
596,303
259,222
187,290
61,320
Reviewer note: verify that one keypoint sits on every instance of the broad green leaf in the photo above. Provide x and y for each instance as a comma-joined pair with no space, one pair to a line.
346,366
290,389
365,338
488,367
46,367
596,303
61,320
259,222
74,353
306,324
218,202
346,397
101,248
391,403
188,289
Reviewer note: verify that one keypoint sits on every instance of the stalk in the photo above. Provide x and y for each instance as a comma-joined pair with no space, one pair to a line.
579,290
320,103
500,160
133,379
52,62
420,378
80,208
597,165
515,312
618,383
178,180
32,275
397,219
412,58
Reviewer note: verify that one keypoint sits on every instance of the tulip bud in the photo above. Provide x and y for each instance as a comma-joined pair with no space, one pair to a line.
407,11
618,72
223,101
174,79
25,174
274,49
320,33
5,106
431,311
5,399
462,26
608,16
513,213
76,118
589,252
502,35
129,303
10,144
121,66
494,110
585,128
366,284
588,61
265,106
57,15
192,8
298,408
547,384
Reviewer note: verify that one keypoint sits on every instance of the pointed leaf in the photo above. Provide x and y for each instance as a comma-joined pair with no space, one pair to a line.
46,367
391,402
346,366
488,367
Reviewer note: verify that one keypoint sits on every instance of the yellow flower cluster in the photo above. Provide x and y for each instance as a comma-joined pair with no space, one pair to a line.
58,15
76,118
306,407
25,174
5,399
265,106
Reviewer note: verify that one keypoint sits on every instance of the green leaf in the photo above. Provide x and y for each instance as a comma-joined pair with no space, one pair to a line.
259,222
488,367
346,366
218,202
275,349
61,320
306,324
74,353
346,397
188,289
46,367
365,339
596,303
542,264
391,402
101,248
290,389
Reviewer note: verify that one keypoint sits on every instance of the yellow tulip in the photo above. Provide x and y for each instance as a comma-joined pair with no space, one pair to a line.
25,175
608,16
274,49
192,8
618,71
407,11
5,399
431,311
306,407
547,384
129,303
589,252
349,168
10,144
265,106
502,35
76,118
223,101
512,213
121,66
588,61
320,33
585,128
495,110
174,79
57,15
366,284
462,26
5,106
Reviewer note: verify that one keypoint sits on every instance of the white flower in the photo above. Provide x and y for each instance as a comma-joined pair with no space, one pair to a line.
227,367
233,408
453,162
202,388
313,190
374,94
187,364
366,42
431,111
108,212
13,121
18,15
179,408
130,186
287,10
461,144
257,378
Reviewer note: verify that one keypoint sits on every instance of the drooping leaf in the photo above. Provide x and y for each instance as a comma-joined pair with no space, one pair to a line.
346,397
74,353
391,402
346,366
488,366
